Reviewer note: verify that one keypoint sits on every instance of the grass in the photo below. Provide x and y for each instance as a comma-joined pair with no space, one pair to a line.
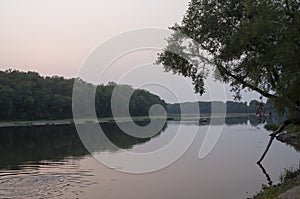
291,137
294,129
289,179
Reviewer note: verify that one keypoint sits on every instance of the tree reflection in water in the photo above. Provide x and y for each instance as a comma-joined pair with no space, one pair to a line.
37,143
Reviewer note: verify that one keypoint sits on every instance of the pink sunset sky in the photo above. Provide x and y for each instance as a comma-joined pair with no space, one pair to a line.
55,37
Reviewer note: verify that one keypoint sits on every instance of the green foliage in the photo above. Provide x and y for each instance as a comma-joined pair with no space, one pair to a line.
271,127
290,174
289,179
205,107
6,96
268,192
290,128
28,96
294,129
253,44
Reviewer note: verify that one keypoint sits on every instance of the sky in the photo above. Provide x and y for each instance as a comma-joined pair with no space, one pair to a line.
56,38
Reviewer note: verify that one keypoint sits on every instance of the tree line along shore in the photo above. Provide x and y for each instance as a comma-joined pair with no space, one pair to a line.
28,96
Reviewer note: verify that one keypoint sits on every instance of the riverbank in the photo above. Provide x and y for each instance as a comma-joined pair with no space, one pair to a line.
291,137
289,187
193,118
62,122
71,121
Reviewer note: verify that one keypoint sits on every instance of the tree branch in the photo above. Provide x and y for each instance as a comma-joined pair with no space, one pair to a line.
297,107
247,84
273,135
237,78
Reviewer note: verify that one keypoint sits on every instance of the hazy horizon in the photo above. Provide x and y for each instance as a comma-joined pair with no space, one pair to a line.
55,38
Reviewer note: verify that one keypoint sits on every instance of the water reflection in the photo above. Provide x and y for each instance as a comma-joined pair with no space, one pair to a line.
44,161
23,144
264,171
59,179
51,162
34,144
229,121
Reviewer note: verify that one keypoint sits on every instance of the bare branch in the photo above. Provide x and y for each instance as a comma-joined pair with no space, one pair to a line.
272,137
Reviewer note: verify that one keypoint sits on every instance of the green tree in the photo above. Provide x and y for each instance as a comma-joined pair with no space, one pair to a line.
28,96
6,105
253,44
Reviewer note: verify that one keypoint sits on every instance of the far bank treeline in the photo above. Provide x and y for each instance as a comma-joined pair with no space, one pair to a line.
253,107
29,96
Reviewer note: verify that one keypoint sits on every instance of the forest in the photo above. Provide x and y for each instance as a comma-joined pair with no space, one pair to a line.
29,96
231,107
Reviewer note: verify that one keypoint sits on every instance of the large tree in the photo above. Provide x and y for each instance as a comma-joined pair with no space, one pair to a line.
253,44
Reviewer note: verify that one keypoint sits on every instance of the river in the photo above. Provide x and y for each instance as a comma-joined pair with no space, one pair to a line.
51,162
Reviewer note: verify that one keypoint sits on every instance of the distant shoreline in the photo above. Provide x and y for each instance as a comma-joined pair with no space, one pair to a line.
121,119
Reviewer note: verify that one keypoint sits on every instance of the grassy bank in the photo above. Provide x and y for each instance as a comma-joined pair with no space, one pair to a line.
291,135
291,177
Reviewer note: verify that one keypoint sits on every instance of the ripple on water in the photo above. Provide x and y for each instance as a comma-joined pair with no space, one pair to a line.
45,180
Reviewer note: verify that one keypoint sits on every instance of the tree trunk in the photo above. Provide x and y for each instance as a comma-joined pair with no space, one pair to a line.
272,137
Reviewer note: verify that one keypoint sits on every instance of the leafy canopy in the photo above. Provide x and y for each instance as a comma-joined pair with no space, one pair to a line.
253,44
29,96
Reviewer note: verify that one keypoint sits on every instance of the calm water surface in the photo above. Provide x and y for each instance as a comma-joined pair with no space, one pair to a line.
51,162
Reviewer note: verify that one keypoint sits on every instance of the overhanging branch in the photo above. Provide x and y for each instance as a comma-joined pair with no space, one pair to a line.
237,78
275,133
247,84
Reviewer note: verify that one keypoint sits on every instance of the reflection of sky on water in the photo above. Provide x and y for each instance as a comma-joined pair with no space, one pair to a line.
65,167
